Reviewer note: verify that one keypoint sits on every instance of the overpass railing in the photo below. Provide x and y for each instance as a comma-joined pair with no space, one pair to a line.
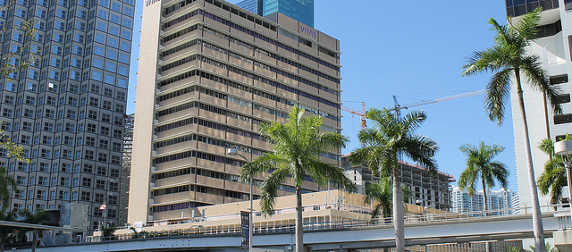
424,218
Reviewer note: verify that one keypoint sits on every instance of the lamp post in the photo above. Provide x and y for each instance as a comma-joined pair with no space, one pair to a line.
564,148
234,151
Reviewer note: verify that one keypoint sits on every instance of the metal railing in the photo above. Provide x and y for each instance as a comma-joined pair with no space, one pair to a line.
410,220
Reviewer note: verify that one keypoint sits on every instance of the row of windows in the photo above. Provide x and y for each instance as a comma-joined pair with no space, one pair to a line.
212,125
180,33
178,206
180,47
207,140
200,155
178,63
202,189
250,89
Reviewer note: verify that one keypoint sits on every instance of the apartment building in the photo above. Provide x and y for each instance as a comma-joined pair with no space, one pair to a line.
553,45
67,109
426,189
500,199
209,74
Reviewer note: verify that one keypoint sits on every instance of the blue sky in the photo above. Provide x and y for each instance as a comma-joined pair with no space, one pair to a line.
414,51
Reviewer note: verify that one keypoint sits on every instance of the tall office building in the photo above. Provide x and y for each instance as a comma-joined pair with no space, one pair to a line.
502,199
553,45
300,10
209,74
426,189
67,110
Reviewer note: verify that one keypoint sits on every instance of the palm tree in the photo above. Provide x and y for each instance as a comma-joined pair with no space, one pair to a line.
382,193
390,138
553,179
6,232
296,156
38,217
107,231
509,59
7,185
481,166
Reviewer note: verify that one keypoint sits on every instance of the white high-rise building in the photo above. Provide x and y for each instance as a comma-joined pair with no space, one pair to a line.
502,199
553,45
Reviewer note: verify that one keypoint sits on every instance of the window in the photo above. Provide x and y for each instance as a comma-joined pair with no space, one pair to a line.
86,182
558,79
564,98
564,118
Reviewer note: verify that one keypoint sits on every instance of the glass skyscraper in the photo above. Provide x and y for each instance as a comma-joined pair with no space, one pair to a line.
300,10
250,5
67,110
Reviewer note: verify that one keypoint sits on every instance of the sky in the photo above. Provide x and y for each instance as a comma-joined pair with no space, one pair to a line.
414,50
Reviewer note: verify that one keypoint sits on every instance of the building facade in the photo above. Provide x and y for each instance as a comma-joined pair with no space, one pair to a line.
502,199
428,190
126,169
209,74
67,109
553,45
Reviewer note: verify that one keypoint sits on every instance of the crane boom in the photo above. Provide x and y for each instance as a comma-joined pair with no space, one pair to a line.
398,107
356,112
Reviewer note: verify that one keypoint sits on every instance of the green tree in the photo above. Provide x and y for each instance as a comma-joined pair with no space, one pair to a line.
382,193
509,59
296,156
107,231
480,166
390,138
38,217
6,232
7,183
553,179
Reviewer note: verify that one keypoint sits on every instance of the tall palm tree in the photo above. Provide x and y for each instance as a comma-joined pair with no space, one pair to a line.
553,179
382,193
390,138
480,165
7,185
297,148
38,217
509,59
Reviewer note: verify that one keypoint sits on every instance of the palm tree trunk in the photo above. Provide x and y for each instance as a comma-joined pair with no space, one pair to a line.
536,214
484,195
299,223
34,241
398,222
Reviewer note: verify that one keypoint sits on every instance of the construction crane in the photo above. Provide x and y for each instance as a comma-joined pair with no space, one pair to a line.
398,107
359,113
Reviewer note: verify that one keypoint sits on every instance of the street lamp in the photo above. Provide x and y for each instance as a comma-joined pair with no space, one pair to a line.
234,152
564,148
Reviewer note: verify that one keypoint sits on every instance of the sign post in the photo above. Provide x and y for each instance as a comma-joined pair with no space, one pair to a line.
244,221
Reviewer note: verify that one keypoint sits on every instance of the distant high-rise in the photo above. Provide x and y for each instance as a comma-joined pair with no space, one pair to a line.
502,199
299,10
67,110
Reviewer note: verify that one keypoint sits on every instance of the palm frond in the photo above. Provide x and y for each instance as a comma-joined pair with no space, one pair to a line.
497,93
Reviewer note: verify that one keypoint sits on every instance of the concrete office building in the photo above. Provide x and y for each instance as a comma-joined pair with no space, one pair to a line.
501,199
209,74
67,110
553,45
300,10
426,190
